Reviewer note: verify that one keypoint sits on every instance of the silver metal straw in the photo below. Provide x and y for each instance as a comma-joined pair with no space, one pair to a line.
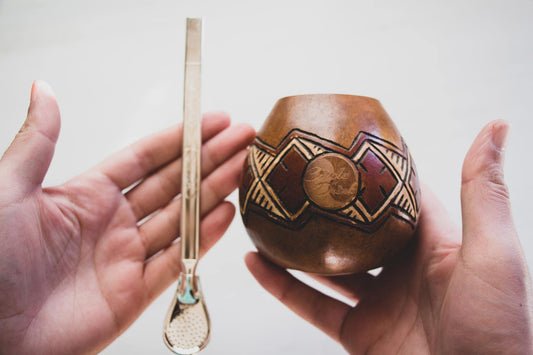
187,325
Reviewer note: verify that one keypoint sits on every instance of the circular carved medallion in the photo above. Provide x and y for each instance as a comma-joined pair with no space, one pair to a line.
331,181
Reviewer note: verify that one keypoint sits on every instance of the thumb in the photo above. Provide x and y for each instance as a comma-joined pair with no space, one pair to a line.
26,161
486,208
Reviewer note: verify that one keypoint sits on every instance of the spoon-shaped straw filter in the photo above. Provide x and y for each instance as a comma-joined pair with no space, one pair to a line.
187,324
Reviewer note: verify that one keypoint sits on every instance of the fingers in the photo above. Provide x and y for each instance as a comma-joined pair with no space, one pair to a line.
159,231
161,187
324,312
27,160
484,196
147,155
164,269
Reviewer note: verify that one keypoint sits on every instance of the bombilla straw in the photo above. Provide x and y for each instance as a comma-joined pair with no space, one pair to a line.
187,325
192,141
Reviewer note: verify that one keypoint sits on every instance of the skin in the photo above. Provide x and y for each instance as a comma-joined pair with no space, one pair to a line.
451,292
80,262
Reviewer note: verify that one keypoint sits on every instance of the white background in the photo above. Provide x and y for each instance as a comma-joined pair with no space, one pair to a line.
442,69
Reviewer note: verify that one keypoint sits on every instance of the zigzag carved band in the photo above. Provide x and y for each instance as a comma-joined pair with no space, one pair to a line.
361,186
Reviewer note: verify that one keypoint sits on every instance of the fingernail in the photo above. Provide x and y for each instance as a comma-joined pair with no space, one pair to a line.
500,134
41,87
33,98
33,89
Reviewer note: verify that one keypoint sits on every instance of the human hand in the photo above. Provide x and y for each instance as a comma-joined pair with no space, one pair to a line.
447,293
77,266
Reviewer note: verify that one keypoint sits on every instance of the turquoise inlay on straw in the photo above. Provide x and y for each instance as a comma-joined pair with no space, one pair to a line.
187,297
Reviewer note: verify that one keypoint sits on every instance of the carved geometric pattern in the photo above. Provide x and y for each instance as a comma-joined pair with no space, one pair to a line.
377,179
285,180
273,181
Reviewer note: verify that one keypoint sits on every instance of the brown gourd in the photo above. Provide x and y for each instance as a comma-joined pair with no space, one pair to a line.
329,186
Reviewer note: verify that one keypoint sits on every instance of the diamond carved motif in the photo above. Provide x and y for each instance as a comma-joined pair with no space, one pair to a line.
285,179
377,180
274,181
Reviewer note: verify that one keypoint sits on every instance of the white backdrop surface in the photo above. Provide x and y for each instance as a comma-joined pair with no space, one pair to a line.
442,69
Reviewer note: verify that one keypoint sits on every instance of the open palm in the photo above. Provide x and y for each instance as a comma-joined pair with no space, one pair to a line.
448,293
80,262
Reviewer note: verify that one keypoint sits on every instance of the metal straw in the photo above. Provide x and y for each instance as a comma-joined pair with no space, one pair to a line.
187,325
